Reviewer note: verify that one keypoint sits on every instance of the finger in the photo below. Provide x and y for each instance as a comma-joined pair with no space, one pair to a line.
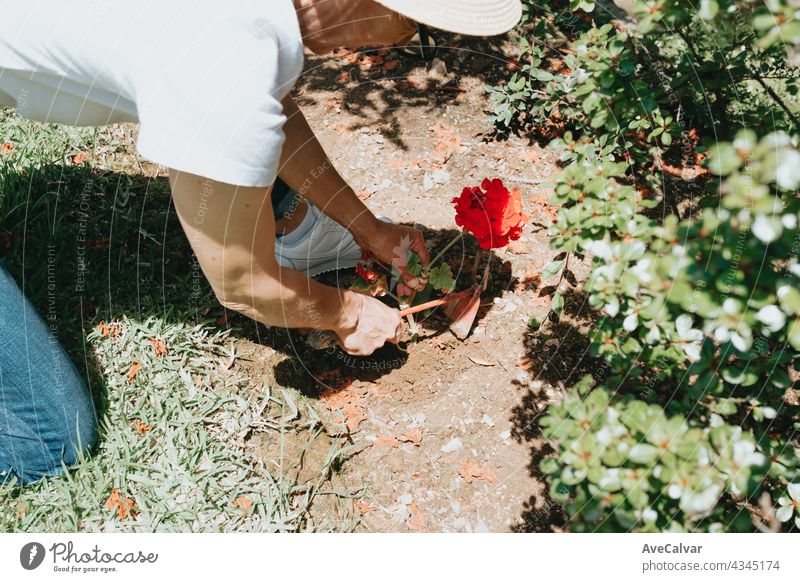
398,332
419,246
410,280
358,352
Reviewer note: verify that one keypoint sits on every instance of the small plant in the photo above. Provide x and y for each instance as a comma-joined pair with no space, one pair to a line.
492,213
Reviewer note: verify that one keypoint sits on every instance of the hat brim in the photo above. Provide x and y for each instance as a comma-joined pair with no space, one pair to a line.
471,17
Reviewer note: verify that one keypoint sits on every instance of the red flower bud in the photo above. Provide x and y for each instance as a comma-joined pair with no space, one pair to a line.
368,275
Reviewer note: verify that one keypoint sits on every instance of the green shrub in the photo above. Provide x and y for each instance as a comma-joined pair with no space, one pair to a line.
633,467
698,302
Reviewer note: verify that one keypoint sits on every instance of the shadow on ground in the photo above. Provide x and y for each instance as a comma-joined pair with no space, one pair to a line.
119,249
369,91
311,371
557,357
88,246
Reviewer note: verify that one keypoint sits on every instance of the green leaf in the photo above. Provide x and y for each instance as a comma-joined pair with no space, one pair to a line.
789,298
552,269
726,407
794,334
557,304
549,466
559,491
723,159
708,9
643,454
441,278
414,265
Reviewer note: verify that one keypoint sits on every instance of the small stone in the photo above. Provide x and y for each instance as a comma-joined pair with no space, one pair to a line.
406,499
441,176
454,445
399,512
487,420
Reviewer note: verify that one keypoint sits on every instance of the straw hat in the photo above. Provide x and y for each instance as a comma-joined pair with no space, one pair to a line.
472,17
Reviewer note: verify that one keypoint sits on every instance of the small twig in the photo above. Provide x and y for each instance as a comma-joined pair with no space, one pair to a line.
412,325
476,264
485,278
775,97
521,180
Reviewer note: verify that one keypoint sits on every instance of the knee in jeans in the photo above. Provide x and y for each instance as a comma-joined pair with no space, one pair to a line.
78,440
64,449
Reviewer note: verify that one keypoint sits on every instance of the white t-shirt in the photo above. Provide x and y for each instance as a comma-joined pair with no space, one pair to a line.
204,78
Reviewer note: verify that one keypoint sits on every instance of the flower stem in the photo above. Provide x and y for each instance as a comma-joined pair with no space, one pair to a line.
447,248
476,264
485,278
392,295
412,325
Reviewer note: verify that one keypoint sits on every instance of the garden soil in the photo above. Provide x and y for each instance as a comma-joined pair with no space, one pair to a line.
441,433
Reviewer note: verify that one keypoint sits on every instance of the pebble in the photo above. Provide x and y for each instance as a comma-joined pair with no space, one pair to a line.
399,512
487,420
438,177
454,445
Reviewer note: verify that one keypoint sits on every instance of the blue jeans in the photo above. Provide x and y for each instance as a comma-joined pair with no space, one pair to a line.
284,199
46,413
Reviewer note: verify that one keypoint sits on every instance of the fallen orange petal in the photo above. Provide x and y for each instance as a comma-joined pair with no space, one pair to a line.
411,436
386,440
161,348
135,367
243,503
471,470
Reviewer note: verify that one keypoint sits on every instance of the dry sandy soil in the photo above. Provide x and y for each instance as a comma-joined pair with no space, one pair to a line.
443,431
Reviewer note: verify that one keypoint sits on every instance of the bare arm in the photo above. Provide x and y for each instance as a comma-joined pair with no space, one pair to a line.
306,168
232,232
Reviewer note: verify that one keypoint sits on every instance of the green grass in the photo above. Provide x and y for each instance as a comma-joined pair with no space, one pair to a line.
120,256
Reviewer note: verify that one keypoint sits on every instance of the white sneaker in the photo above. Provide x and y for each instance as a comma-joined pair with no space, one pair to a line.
327,247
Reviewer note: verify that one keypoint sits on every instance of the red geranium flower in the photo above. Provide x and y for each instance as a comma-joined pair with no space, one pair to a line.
493,214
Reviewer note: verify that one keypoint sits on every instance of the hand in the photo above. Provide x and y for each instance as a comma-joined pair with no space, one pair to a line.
391,243
372,325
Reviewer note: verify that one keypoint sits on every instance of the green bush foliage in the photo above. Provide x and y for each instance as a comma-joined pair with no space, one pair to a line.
678,133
